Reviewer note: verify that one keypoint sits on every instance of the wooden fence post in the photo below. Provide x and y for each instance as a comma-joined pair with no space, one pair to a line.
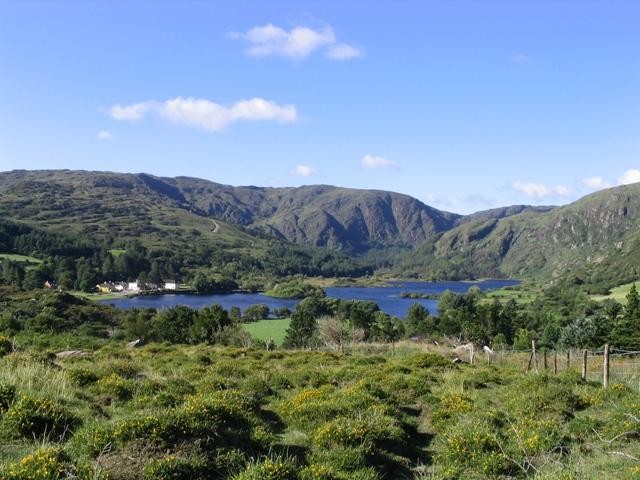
471,354
605,376
555,363
584,365
545,359
568,359
533,355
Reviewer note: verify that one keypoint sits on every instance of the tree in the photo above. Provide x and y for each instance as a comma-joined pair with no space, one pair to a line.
253,313
235,314
522,339
387,329
209,324
626,332
418,321
332,332
173,324
303,329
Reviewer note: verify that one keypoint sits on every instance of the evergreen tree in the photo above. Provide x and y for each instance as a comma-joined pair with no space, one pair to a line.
303,329
626,333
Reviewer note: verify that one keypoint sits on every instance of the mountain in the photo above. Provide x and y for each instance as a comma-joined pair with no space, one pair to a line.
103,203
595,239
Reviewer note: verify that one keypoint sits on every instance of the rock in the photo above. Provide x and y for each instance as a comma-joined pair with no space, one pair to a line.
135,343
71,353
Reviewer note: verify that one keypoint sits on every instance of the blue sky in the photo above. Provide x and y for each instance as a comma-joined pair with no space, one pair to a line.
465,105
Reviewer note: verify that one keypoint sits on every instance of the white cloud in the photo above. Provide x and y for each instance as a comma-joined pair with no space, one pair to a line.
520,59
134,111
205,114
630,176
304,170
104,135
596,183
297,43
374,161
342,51
539,190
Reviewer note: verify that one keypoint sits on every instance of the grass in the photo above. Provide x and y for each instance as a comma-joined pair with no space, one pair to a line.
618,293
268,329
14,257
98,296
175,411
522,294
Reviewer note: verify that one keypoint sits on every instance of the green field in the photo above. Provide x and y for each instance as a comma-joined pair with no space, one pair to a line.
14,257
521,294
618,293
268,329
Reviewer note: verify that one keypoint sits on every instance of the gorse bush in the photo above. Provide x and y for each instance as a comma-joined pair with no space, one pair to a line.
161,412
5,346
115,386
30,416
270,469
7,395
50,463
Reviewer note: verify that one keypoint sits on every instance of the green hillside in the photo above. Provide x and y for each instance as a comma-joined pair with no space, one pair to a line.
595,240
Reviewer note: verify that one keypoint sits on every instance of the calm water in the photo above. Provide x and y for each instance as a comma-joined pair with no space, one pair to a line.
387,298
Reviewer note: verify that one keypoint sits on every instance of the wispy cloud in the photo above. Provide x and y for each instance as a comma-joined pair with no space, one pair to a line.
540,190
205,114
630,176
297,43
375,161
596,183
520,59
104,135
134,111
304,170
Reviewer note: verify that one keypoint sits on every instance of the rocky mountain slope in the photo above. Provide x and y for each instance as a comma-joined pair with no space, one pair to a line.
596,239
321,215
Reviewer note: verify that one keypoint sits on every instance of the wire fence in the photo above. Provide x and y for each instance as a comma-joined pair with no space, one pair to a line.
623,366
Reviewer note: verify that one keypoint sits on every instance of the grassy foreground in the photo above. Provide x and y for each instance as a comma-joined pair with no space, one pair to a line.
199,412
270,329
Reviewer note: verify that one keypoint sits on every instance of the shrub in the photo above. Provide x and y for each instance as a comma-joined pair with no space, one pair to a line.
7,394
369,431
269,469
93,440
116,386
431,360
82,376
175,468
31,416
44,464
6,346
450,406
472,446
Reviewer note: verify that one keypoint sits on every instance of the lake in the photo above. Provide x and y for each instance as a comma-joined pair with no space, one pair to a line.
387,297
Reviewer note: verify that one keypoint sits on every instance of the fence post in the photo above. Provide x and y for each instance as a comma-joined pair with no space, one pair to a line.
555,362
533,355
568,359
584,365
545,359
471,354
605,377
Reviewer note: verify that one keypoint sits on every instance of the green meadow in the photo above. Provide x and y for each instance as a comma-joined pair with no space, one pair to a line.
270,329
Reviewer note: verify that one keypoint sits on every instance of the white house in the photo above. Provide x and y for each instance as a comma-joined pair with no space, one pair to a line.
133,286
170,285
